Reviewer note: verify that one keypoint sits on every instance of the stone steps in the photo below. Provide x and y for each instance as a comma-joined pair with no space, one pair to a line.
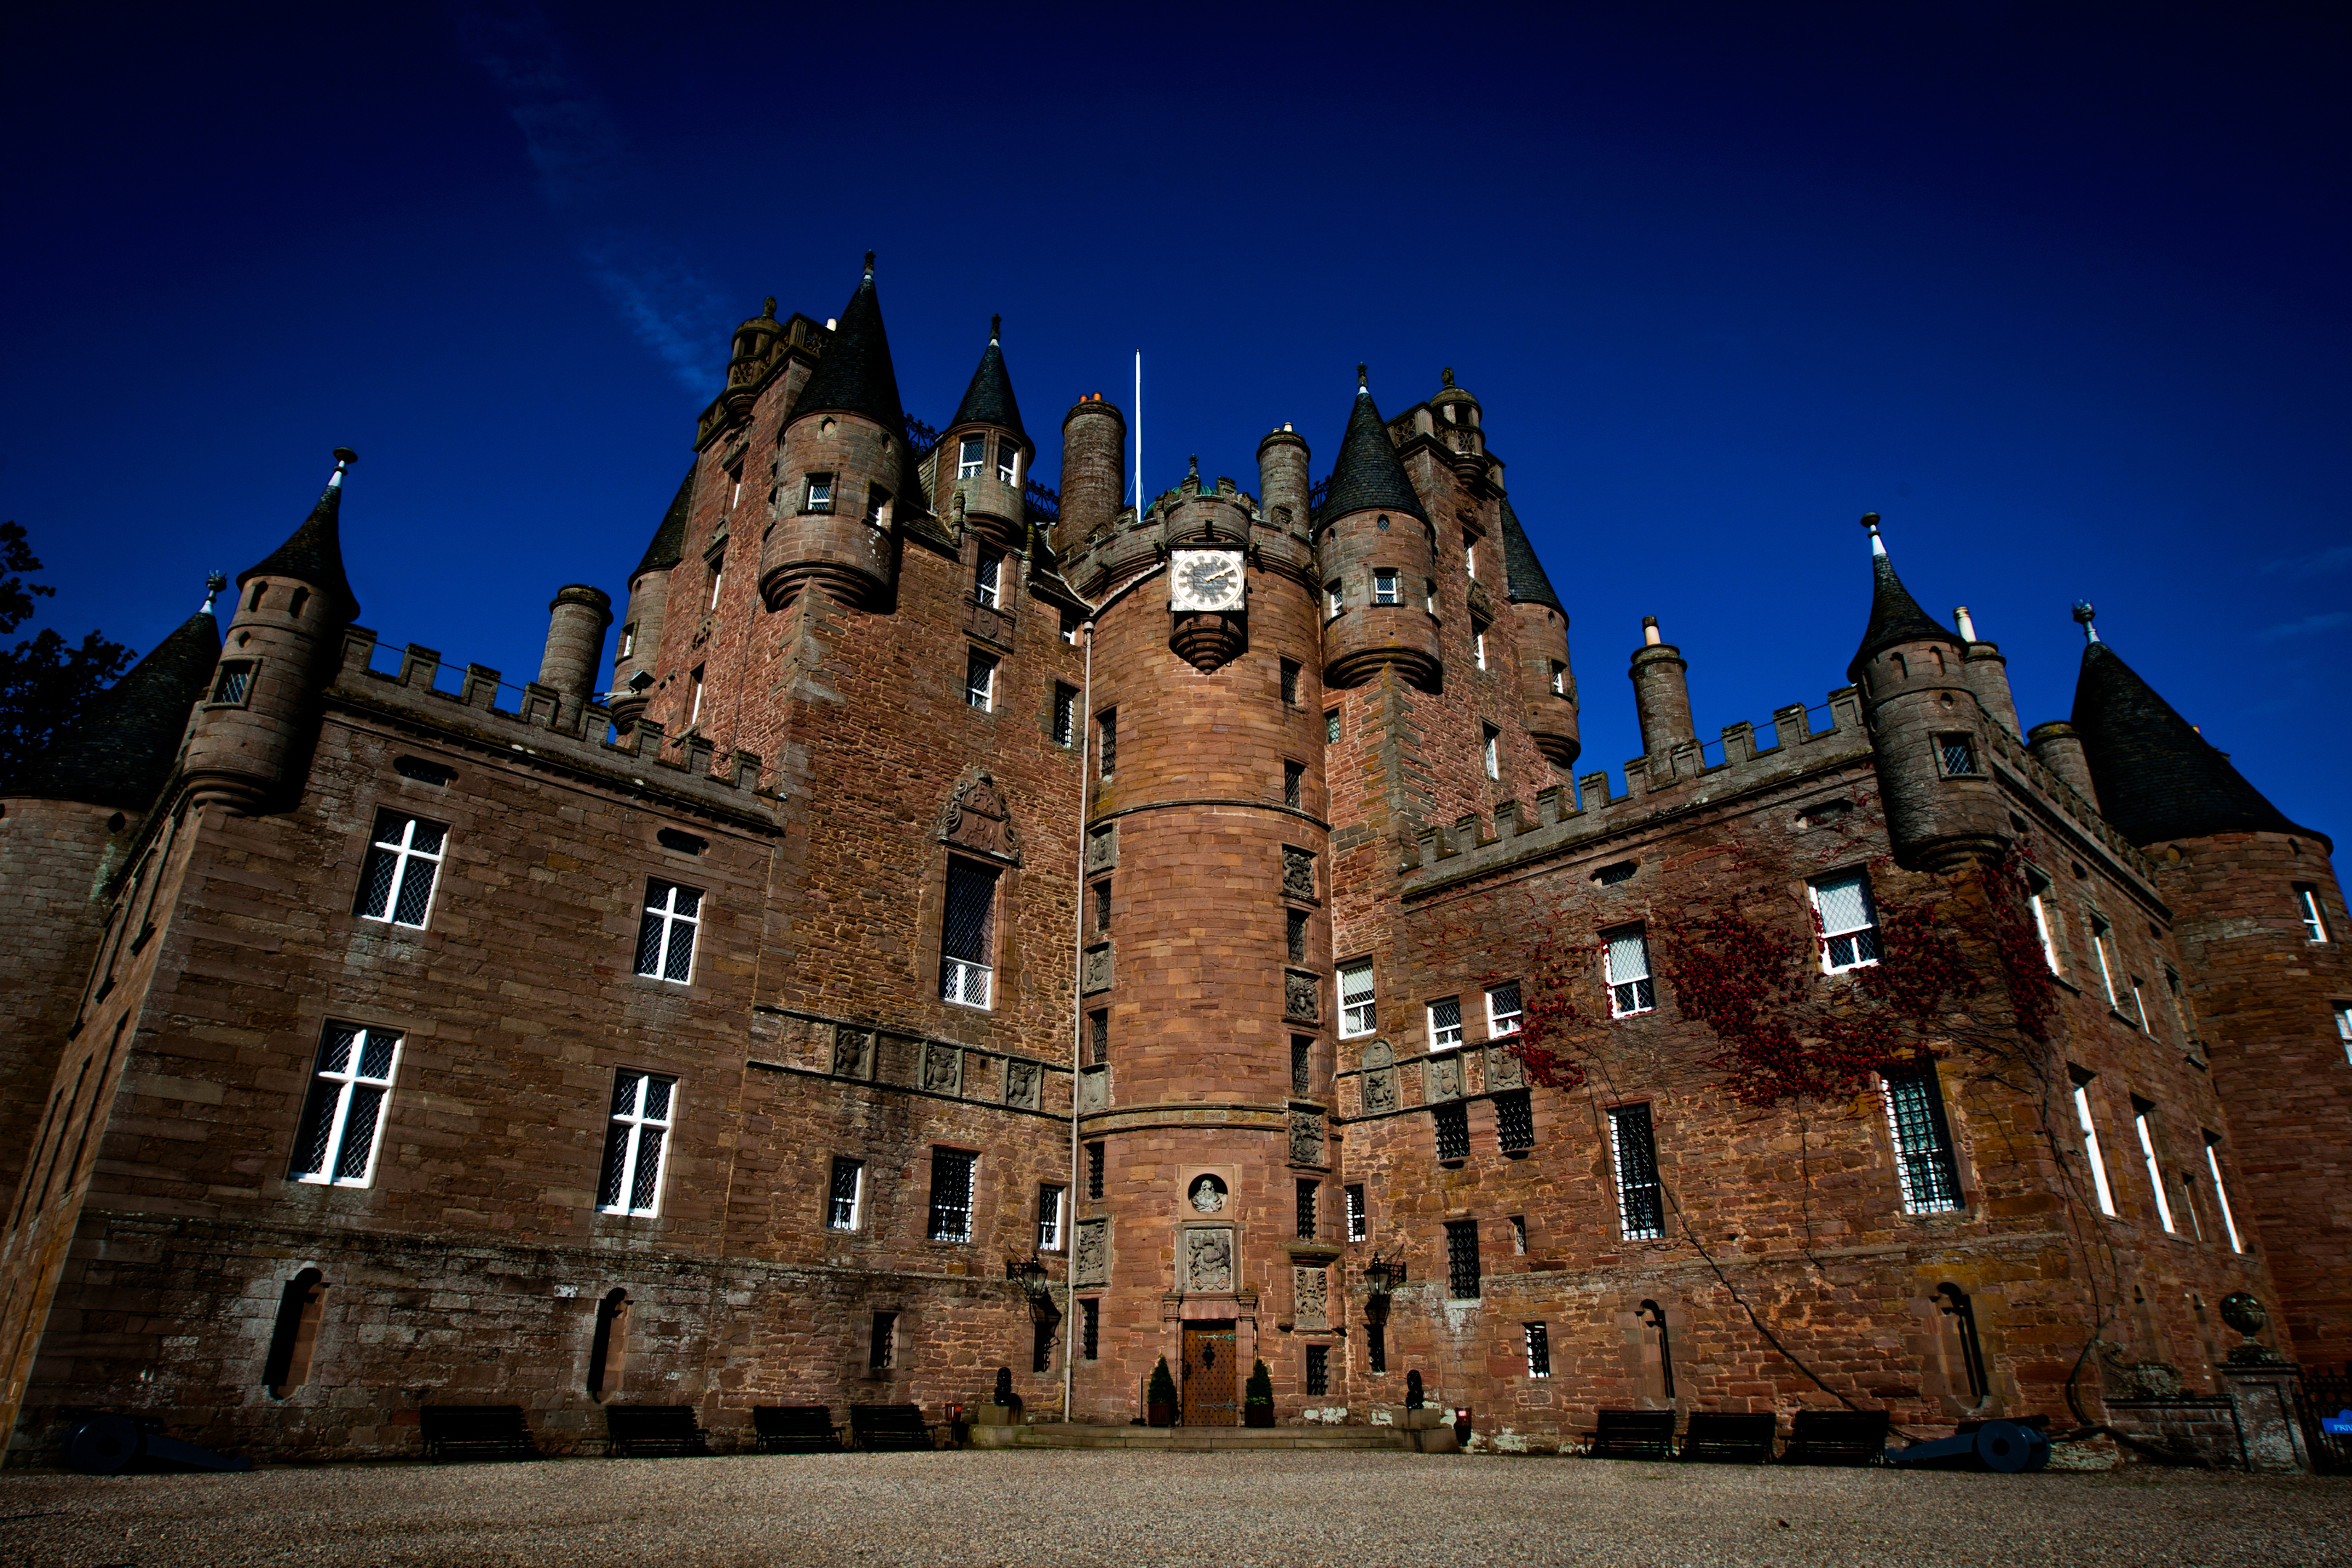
1193,1439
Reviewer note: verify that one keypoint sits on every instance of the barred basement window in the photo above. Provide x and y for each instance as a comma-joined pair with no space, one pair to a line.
2221,1192
1302,1058
988,578
1090,1328
1094,1170
971,456
233,683
636,1142
952,1195
1384,586
1308,1195
2141,1109
666,931
1318,1369
1848,921
1331,727
1066,714
1356,1013
1102,906
342,1119
848,1190
1504,1013
2306,903
402,858
1295,934
1923,1144
2091,1139
1633,1149
1616,875
966,972
1538,1350
1452,1132
1514,1121
1041,1347
1106,741
1958,756
1290,683
1626,953
1049,1218
1097,1037
879,1356
980,680
1356,1228
1462,1278
1294,783
1445,1023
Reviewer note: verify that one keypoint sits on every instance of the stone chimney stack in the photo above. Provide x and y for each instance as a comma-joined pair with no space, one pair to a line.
577,619
1660,692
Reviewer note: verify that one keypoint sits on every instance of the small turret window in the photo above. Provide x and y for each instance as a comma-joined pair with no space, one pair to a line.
1848,921
1384,586
971,456
1008,459
233,683
1957,754
878,506
1558,678
1331,598
819,493
2306,903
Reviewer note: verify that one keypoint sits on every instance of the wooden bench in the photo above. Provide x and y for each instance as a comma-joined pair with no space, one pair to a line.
651,1431
875,1427
1837,1437
476,1432
795,1429
1730,1437
1632,1435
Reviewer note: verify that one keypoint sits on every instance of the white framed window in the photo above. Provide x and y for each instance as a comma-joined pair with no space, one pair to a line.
2100,932
636,1143
2221,1192
988,578
2344,1028
1504,1012
1049,1218
1445,1023
1924,1164
1491,750
952,1171
2037,899
1356,1013
1357,1227
980,680
342,1119
1478,644
967,968
404,858
1848,919
1384,585
2090,1146
1331,598
1558,678
2140,1109
2306,903
971,456
818,496
666,930
877,507
1008,459
1625,957
845,1202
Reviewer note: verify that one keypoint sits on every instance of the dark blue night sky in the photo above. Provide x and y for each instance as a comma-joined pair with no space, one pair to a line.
2061,291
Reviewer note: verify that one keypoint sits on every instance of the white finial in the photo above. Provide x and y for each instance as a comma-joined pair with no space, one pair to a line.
1870,522
344,459
213,585
2082,614
1967,626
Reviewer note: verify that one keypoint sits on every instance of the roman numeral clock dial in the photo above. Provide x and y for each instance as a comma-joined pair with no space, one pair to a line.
1205,580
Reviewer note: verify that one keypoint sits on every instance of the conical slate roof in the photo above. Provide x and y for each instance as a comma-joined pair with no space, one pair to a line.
988,399
854,375
1522,570
2158,778
667,547
313,553
1367,476
1895,616
121,752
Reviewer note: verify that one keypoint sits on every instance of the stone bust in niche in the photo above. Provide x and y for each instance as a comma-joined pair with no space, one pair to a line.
1208,1194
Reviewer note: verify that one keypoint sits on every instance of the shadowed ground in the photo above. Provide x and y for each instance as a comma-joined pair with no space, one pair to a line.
979,1508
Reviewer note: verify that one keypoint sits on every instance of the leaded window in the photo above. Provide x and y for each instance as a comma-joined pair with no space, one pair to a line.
1090,1328
1462,1273
1923,1144
1094,1170
402,859
1106,741
1008,459
980,680
342,1118
1295,934
1356,1013
636,1142
971,456
1302,1060
952,1195
1634,1149
233,682
819,494
966,967
1294,783
1331,727
988,580
1849,922
666,930
1452,1132
1049,1218
1445,1023
1514,1121
1384,585
1356,1225
1627,955
1958,754
1504,1012
1066,714
1290,683
849,1191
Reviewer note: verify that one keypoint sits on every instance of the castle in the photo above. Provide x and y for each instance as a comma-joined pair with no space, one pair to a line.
971,926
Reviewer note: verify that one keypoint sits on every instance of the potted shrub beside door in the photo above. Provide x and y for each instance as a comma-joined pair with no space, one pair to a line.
1160,1398
1257,1404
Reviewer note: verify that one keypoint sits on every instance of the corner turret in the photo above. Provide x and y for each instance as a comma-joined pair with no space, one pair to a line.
1929,730
989,451
1542,623
284,642
639,650
1376,552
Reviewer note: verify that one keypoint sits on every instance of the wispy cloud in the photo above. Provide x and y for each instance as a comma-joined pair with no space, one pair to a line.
586,172
2306,627
2335,558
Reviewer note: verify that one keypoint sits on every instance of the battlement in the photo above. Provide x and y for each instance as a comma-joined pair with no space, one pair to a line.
2029,771
543,727
1655,787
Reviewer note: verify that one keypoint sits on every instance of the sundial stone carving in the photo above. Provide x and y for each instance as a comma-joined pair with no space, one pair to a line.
852,1051
1208,1264
1302,996
1023,1084
1090,1264
1311,1293
979,818
1297,872
1305,1138
942,1069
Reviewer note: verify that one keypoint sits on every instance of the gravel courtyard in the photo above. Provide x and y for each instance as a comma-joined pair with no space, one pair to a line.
976,1509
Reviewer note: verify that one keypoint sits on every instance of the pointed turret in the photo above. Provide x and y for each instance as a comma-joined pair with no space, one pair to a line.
988,399
855,375
1367,475
2158,778
313,553
1380,579
120,753
991,451
1895,616
1543,622
639,648
1524,577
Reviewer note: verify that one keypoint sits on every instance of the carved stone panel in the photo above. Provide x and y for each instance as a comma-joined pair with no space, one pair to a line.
1306,1146
1505,1071
979,818
1208,1261
1102,847
1311,1296
1297,872
852,1051
1025,1084
1097,973
1302,996
1380,1091
1379,1054
942,1069
1093,1087
1444,1080
1090,1264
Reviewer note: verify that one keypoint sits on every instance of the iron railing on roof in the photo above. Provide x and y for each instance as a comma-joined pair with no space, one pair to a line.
1044,505
1316,492
921,438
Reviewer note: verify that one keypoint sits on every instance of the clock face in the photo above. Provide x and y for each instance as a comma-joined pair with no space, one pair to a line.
1205,580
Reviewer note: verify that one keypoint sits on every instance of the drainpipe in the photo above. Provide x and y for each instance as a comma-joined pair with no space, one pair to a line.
1086,727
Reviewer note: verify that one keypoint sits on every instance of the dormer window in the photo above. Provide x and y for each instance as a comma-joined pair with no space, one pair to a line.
819,495
1008,459
971,456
